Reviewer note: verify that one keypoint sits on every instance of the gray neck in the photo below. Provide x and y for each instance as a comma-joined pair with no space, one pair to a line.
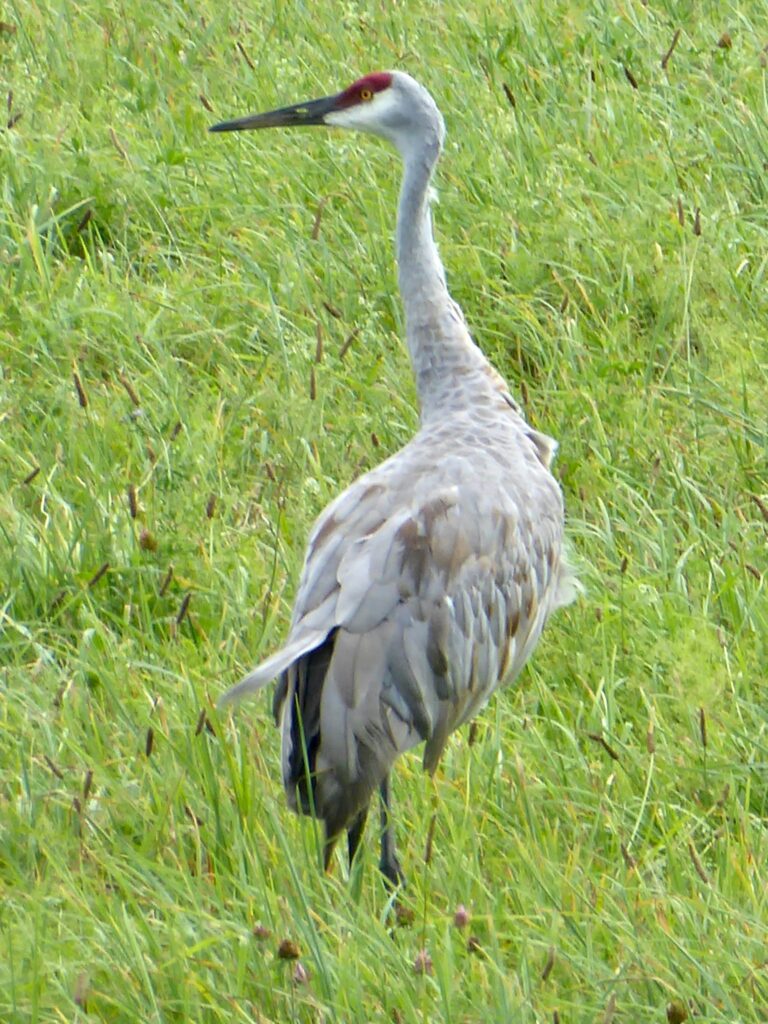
420,272
440,347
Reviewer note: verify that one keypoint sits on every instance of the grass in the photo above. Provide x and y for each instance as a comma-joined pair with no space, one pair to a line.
170,428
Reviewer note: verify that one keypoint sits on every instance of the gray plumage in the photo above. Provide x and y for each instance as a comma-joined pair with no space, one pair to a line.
427,582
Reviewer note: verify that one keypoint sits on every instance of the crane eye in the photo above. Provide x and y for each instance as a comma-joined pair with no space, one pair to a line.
366,95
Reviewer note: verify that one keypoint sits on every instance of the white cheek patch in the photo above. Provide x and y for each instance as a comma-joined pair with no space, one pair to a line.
364,115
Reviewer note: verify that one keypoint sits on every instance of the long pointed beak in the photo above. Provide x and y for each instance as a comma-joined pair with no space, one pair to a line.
312,112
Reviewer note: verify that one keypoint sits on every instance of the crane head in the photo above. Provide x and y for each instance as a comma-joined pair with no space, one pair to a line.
386,103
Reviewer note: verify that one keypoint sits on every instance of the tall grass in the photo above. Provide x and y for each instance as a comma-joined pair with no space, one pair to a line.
168,433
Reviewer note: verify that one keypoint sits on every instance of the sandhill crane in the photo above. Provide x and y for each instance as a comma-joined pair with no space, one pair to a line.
427,582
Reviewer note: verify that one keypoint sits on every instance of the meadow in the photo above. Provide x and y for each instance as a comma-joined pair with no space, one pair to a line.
201,344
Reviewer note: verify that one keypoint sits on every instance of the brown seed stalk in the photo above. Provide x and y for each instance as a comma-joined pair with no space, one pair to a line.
98,574
348,341
666,58
549,964
318,218
318,342
430,839
183,608
601,741
245,56
166,581
81,395
130,390
700,871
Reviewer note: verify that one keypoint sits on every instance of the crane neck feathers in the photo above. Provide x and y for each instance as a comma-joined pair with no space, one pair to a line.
450,370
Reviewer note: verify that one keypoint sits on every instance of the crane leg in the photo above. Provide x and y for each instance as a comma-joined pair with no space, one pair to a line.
355,834
389,865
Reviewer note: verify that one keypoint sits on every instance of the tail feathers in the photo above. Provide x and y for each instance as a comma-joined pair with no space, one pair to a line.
272,667
569,586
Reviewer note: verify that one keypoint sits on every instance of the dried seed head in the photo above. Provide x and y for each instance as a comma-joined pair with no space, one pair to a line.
300,974
166,581
318,342
333,310
650,739
196,820
98,574
629,860
430,839
676,1012
288,950
80,995
260,932
129,388
670,51
183,608
404,916
423,962
461,916
549,964
147,541
348,341
82,398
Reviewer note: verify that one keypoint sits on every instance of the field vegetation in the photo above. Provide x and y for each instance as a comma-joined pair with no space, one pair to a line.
201,344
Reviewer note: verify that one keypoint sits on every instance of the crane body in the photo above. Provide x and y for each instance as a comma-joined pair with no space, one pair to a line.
427,582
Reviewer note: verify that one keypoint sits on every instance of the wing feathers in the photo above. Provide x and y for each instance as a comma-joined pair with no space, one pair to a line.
415,603
272,667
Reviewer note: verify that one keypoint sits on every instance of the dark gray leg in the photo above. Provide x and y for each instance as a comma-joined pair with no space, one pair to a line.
389,865
355,834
